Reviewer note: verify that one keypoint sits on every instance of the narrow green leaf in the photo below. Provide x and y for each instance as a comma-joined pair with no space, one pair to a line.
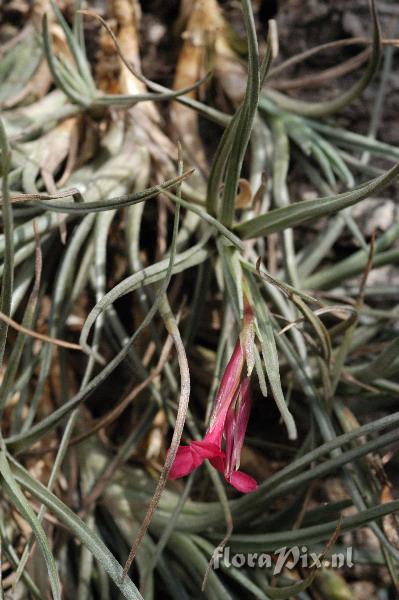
76,50
295,214
307,535
329,107
79,99
357,262
17,498
384,366
127,100
219,164
8,550
264,331
193,256
208,218
242,130
119,201
288,591
8,228
317,325
232,278
79,528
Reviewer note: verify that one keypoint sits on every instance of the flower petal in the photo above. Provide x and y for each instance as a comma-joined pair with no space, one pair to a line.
192,456
243,482
227,390
185,462
206,449
219,463
236,426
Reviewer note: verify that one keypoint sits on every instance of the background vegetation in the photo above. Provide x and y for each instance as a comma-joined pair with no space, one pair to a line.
157,167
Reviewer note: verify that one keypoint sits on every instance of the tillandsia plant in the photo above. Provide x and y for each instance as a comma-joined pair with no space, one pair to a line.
199,355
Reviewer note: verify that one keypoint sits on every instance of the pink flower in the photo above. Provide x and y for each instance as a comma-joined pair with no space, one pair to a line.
229,419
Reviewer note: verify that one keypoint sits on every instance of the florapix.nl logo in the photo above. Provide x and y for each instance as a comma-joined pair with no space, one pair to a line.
283,558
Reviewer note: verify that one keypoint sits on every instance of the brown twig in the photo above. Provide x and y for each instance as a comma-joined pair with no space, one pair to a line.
217,550
56,196
316,79
319,311
351,379
327,46
172,327
39,336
